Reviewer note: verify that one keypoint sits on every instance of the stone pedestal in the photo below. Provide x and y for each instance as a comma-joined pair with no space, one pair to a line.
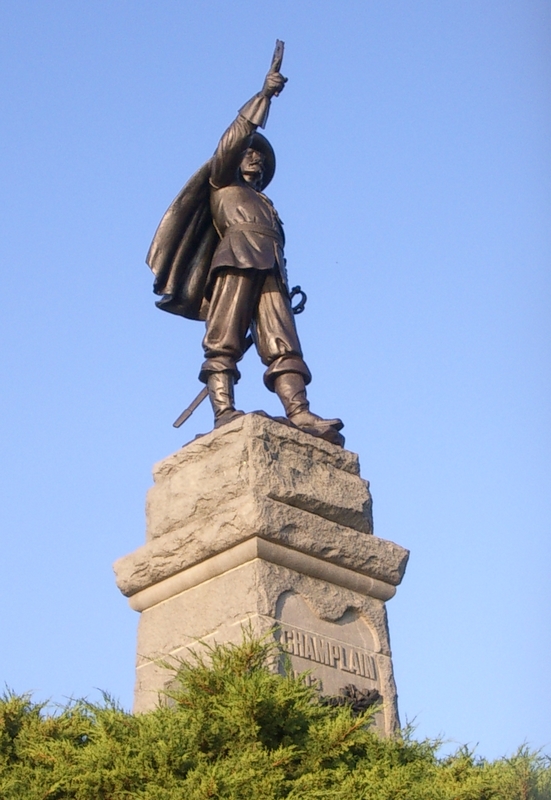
259,524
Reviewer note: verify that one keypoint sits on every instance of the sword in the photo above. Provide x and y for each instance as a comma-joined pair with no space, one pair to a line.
277,59
186,414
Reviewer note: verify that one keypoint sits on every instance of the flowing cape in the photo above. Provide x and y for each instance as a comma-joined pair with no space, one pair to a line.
182,249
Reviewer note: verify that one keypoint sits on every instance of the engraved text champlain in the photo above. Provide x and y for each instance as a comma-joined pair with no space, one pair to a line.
329,652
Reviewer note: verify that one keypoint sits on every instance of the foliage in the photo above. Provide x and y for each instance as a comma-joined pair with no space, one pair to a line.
233,729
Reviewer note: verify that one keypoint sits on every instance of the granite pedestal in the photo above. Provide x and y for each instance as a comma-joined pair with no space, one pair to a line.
258,524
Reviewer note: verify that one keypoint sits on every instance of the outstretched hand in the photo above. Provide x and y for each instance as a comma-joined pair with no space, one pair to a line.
274,83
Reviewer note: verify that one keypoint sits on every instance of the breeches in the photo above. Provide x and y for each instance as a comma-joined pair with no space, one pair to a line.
255,299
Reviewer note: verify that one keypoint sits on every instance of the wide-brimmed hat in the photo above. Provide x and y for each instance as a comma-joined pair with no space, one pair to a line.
262,145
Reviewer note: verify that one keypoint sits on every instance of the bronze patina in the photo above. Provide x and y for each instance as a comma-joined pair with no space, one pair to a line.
218,256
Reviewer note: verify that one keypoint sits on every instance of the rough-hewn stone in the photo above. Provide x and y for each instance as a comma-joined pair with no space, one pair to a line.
255,455
256,516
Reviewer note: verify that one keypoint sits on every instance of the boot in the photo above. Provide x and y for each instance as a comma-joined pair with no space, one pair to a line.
220,386
291,390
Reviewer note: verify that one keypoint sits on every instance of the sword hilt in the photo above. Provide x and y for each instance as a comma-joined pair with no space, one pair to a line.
299,308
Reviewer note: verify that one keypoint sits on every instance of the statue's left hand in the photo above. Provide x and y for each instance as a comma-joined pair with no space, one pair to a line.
273,84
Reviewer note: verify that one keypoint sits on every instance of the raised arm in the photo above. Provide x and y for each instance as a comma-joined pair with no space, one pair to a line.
236,139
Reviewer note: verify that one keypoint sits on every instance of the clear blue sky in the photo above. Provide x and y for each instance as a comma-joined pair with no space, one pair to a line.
415,184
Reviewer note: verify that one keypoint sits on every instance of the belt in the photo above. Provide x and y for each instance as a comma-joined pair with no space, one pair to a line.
255,227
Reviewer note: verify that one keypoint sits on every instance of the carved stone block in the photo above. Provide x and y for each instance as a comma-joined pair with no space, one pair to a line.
261,524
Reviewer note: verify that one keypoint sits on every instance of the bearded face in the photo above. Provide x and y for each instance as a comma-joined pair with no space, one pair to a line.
252,167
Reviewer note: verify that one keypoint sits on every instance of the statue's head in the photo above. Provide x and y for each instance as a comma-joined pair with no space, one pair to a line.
252,167
258,164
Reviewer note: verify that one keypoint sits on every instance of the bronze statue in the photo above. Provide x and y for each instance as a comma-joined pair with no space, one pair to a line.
217,256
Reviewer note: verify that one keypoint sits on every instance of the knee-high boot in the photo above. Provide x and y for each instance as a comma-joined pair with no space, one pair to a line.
220,386
291,390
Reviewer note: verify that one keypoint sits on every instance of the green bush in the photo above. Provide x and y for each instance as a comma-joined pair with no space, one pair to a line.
233,729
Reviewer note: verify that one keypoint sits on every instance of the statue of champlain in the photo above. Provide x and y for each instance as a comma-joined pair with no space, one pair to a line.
217,256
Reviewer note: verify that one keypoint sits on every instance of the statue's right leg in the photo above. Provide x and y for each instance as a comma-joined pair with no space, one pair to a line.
233,300
221,396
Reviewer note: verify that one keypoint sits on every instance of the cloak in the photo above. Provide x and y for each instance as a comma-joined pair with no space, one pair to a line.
182,249
184,243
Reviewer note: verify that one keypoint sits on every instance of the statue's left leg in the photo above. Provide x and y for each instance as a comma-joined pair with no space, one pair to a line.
287,374
291,390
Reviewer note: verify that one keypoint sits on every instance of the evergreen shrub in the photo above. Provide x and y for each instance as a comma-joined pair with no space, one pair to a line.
233,729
